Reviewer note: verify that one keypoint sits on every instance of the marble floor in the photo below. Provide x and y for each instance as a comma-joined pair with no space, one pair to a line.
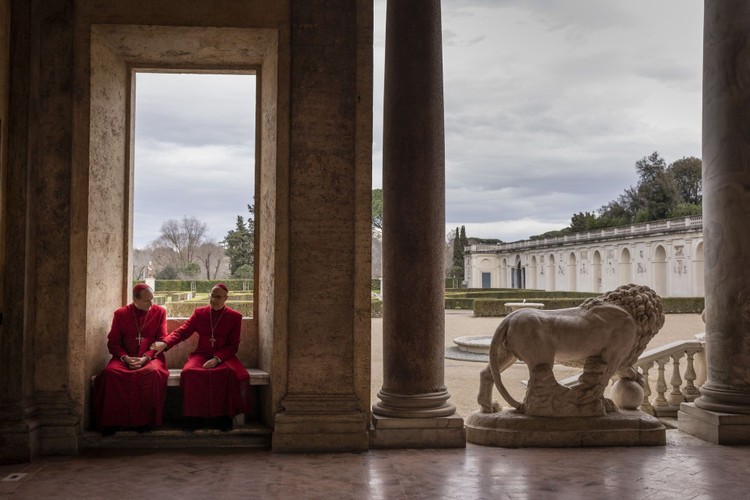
686,468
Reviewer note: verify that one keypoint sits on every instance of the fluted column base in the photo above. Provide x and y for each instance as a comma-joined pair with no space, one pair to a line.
714,426
416,421
723,399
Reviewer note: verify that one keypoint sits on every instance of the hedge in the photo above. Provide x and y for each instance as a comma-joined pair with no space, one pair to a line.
526,293
185,309
487,308
496,307
458,303
683,305
376,309
201,286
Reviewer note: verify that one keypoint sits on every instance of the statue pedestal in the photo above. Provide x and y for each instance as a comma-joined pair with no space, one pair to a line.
509,429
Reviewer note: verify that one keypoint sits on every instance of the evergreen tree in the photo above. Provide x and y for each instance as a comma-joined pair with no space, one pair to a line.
464,239
458,251
239,244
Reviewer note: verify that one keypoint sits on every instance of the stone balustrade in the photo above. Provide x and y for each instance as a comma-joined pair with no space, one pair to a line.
679,224
683,361
682,386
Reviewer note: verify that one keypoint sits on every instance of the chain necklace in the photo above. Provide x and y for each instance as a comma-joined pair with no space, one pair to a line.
213,326
138,327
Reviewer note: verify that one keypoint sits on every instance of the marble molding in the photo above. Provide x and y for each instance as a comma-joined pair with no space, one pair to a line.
715,427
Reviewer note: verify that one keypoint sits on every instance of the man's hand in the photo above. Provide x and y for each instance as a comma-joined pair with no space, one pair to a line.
158,346
211,363
133,362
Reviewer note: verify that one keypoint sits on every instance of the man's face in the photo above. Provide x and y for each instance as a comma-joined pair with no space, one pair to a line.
145,300
218,298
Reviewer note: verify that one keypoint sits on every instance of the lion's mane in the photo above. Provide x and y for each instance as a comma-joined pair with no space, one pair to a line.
643,304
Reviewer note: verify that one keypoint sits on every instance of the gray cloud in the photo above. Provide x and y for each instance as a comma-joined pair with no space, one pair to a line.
194,151
548,105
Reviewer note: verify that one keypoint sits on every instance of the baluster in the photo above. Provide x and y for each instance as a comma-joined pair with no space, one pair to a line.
646,405
661,384
690,391
675,396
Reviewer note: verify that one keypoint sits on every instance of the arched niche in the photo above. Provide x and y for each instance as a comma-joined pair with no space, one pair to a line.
572,274
596,271
660,270
533,271
551,272
626,267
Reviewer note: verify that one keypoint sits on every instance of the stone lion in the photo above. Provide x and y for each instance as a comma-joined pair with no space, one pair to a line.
604,335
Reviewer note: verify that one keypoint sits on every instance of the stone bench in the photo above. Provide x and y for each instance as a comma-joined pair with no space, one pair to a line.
172,411
257,377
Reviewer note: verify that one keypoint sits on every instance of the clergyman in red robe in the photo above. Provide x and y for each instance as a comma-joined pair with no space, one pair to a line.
130,391
215,384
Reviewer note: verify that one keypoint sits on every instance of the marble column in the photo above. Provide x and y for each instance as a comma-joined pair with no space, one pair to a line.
413,409
722,412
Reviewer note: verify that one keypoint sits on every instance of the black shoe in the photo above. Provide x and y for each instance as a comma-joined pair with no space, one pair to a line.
142,428
224,424
191,424
109,431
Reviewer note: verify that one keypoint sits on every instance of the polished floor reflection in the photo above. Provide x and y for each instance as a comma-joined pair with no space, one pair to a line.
686,468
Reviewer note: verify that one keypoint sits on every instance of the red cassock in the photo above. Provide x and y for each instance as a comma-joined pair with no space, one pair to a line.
132,398
220,391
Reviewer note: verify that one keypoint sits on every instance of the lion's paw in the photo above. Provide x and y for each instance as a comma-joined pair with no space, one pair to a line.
494,408
609,405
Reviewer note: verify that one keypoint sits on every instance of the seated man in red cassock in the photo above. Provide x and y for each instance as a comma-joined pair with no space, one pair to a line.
215,384
130,391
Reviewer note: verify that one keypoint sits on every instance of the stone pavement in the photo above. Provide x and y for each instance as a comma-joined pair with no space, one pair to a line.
685,469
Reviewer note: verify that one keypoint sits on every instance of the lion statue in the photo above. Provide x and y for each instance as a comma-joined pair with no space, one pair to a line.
604,335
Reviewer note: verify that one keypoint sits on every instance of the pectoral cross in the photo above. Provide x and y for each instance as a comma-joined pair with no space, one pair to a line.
213,341
138,327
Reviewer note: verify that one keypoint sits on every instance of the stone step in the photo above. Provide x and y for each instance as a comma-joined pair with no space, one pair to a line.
248,435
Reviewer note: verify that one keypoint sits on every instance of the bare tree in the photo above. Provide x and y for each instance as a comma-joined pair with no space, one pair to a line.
183,238
211,255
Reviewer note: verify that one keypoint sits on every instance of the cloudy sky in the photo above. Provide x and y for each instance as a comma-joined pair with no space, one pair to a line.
548,105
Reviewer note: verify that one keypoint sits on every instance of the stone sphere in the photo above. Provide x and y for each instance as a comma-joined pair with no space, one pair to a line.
627,394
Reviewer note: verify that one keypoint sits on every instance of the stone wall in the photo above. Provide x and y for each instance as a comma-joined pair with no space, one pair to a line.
67,197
